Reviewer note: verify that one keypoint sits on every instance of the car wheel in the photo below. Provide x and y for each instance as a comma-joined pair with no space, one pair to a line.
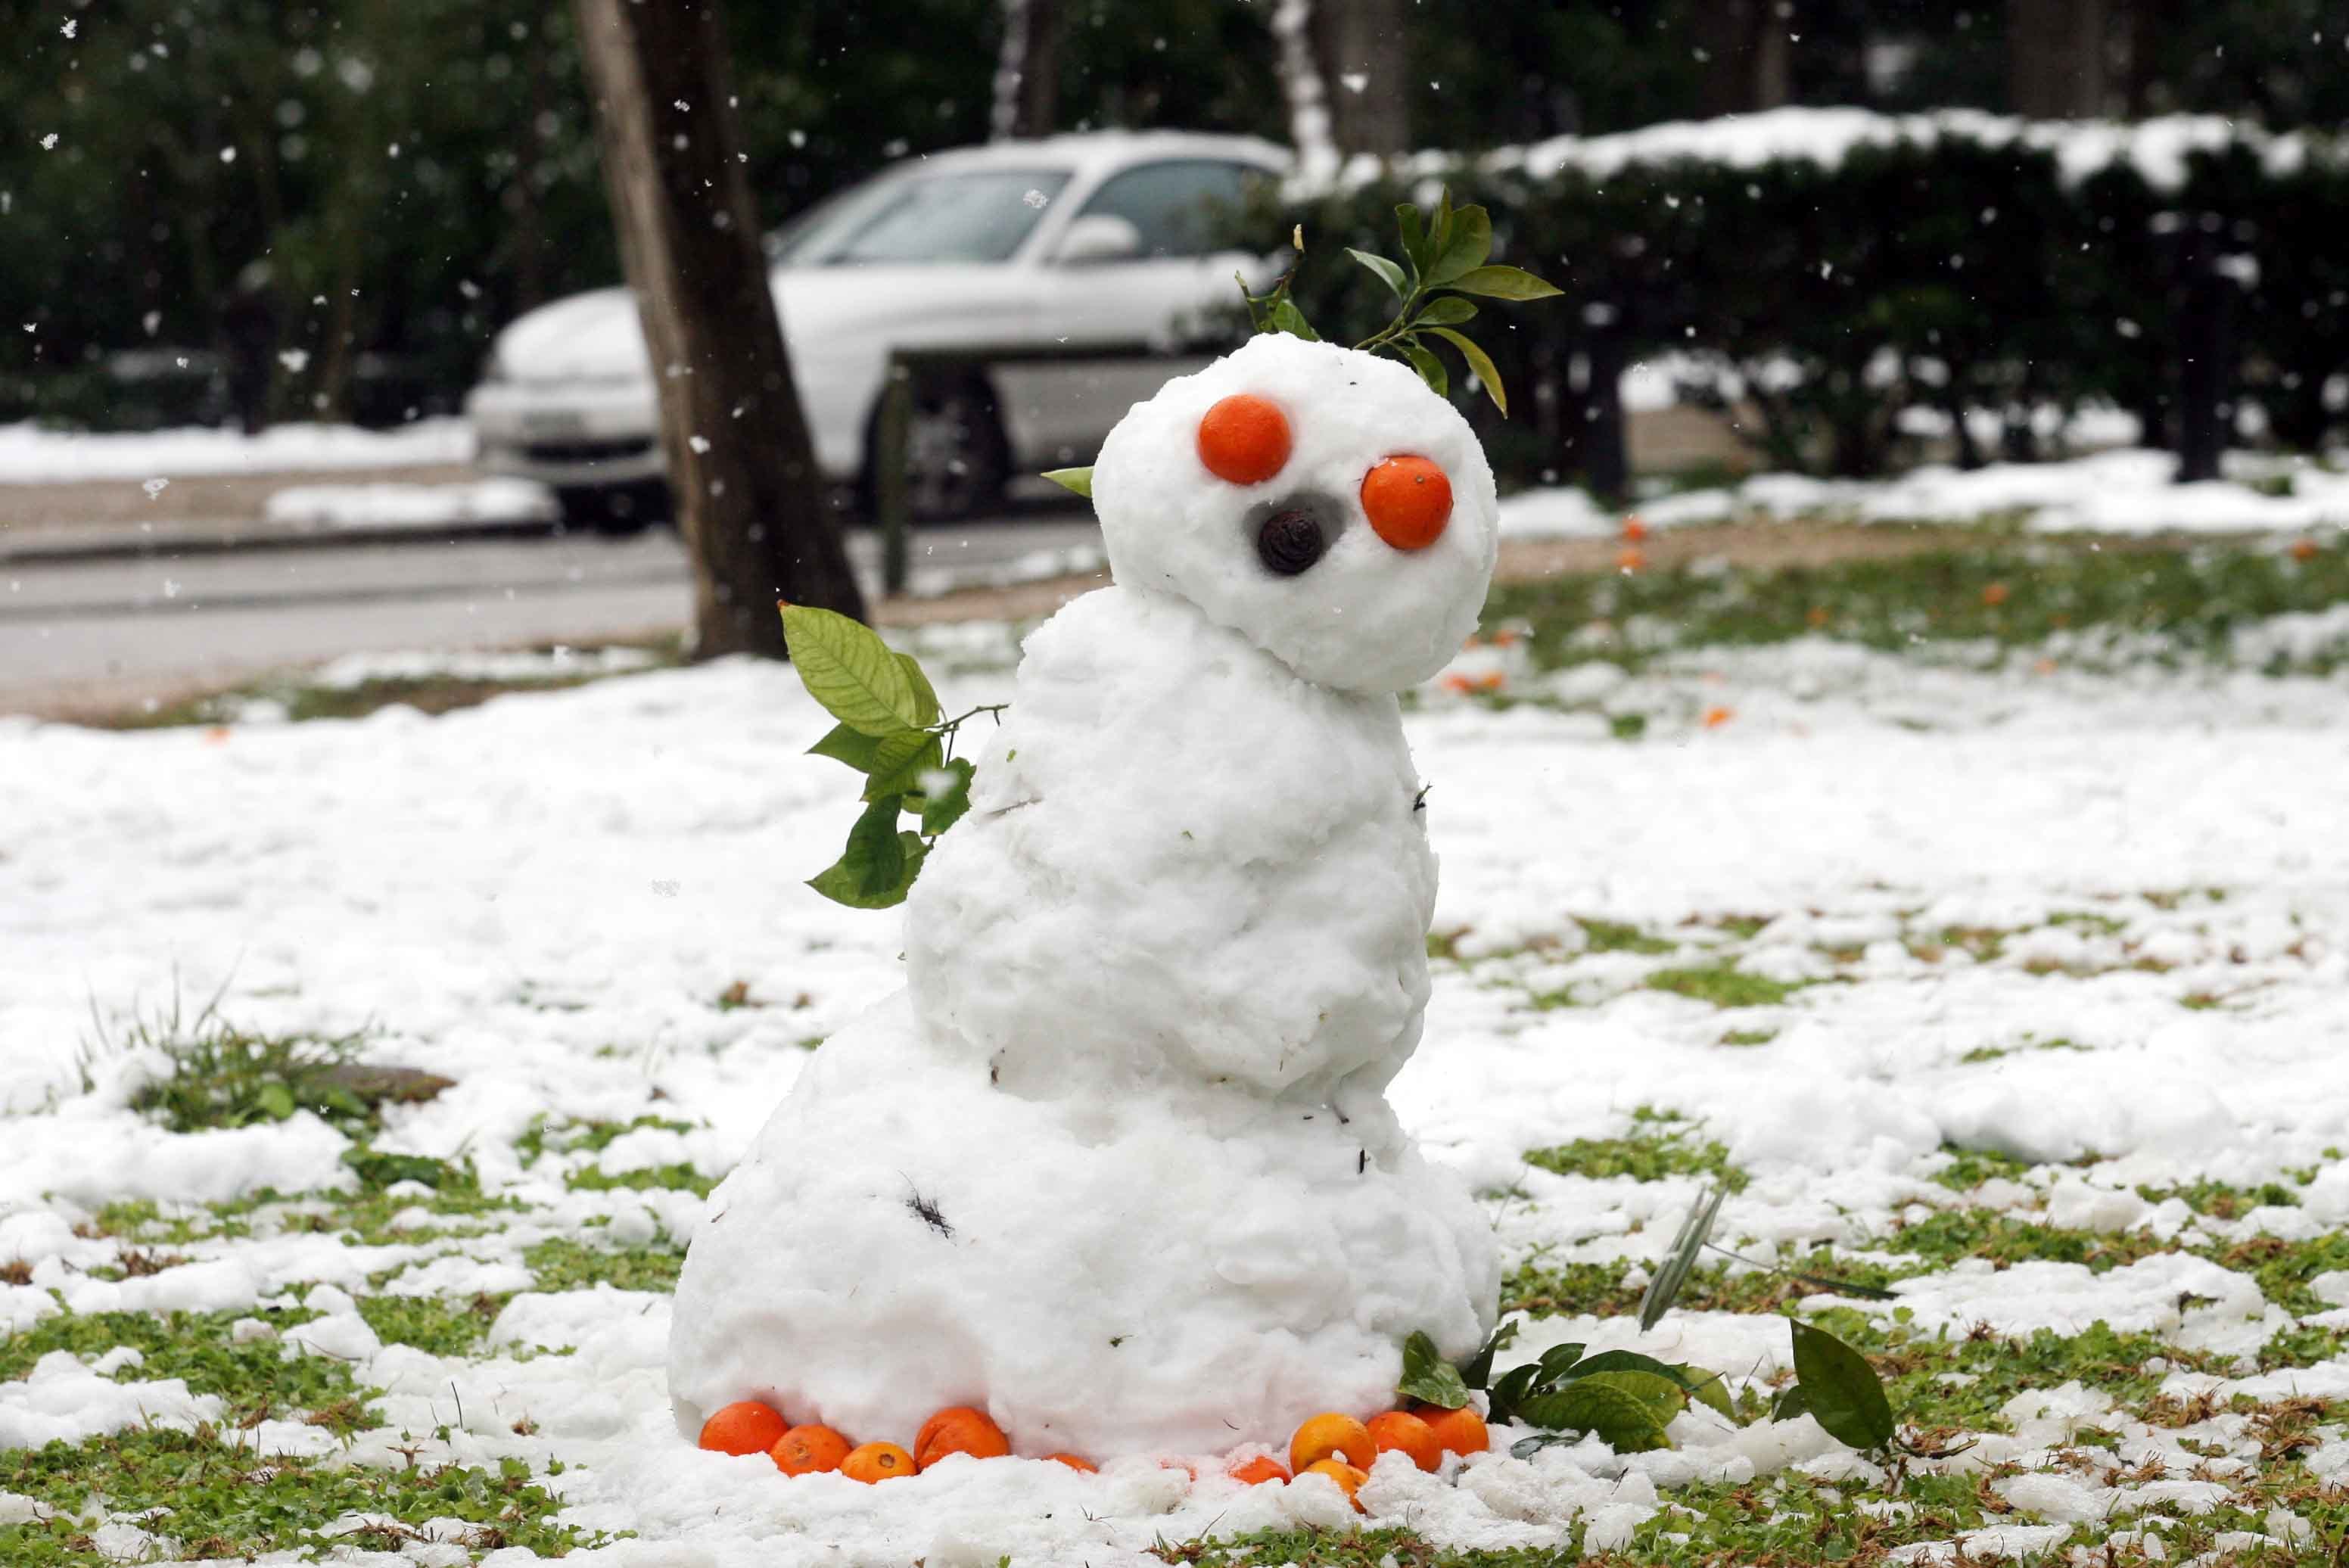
616,509
956,459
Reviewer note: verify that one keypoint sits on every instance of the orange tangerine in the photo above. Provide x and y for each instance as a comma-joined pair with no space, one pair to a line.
1461,1431
744,1427
1404,1433
876,1462
1348,1479
1331,1434
805,1450
959,1430
1262,1469
1245,439
1408,500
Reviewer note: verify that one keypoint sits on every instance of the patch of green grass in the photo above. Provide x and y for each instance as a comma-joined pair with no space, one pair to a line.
2015,592
1970,1168
223,1076
1949,1234
1604,1290
1656,1147
582,1137
1996,1368
223,1501
2284,1268
253,1376
1724,985
564,1263
1743,1038
2221,1201
1614,936
433,1324
1310,1547
428,694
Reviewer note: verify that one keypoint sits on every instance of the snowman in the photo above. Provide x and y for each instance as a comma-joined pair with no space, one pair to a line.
1117,1166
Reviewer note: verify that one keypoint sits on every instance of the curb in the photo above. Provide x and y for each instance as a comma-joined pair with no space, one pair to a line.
69,546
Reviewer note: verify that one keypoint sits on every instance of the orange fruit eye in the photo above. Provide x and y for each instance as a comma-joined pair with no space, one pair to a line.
1408,500
1243,439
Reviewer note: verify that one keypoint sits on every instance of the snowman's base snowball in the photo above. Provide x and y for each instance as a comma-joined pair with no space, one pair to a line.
1168,1276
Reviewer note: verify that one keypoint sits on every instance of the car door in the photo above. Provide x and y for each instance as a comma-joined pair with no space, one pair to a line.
1182,210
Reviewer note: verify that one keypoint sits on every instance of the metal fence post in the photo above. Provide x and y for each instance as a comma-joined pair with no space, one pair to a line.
890,500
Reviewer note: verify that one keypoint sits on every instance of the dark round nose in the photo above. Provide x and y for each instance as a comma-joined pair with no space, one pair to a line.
1291,541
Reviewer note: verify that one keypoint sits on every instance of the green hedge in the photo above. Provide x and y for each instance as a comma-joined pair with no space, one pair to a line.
1851,266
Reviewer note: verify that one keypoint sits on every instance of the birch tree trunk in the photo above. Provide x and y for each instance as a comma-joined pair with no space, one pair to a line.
750,499
1028,72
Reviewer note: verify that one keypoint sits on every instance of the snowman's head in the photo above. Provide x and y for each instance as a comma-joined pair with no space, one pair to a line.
1322,502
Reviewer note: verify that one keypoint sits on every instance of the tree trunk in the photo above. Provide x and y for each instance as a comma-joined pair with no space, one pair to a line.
1360,51
2055,58
1028,73
1748,63
750,499
1301,82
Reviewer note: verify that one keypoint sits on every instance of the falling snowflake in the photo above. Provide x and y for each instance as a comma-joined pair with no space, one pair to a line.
1035,198
49,142
228,155
155,487
70,26
1355,81
296,360
699,443
151,321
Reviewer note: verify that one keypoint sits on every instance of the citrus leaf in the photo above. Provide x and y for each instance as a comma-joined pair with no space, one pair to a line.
879,864
1415,245
1625,1361
276,1101
1477,1370
1510,1391
926,698
1428,1376
1503,283
942,808
1673,1271
1478,363
1444,311
1558,1362
1389,274
1706,1388
1622,1416
1841,1389
1286,317
899,762
846,666
1466,243
1789,1404
1078,480
842,744
1430,368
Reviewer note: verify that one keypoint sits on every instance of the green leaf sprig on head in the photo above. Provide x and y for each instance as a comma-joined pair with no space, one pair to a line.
890,730
1443,260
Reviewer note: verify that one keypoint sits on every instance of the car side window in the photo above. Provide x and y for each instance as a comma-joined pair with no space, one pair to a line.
1181,208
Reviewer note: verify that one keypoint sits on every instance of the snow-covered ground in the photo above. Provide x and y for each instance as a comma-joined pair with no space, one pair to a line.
2034,913
384,505
2124,491
30,454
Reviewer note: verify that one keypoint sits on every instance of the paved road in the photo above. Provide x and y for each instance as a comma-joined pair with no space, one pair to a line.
84,632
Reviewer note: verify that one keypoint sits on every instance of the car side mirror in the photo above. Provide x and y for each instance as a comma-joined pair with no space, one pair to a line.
1098,237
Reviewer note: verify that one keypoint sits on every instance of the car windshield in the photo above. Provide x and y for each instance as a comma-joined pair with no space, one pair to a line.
978,216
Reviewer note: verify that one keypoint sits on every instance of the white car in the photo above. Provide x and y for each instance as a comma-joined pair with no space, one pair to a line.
1083,241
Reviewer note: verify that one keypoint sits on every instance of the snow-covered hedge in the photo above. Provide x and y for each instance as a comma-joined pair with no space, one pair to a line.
1833,267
